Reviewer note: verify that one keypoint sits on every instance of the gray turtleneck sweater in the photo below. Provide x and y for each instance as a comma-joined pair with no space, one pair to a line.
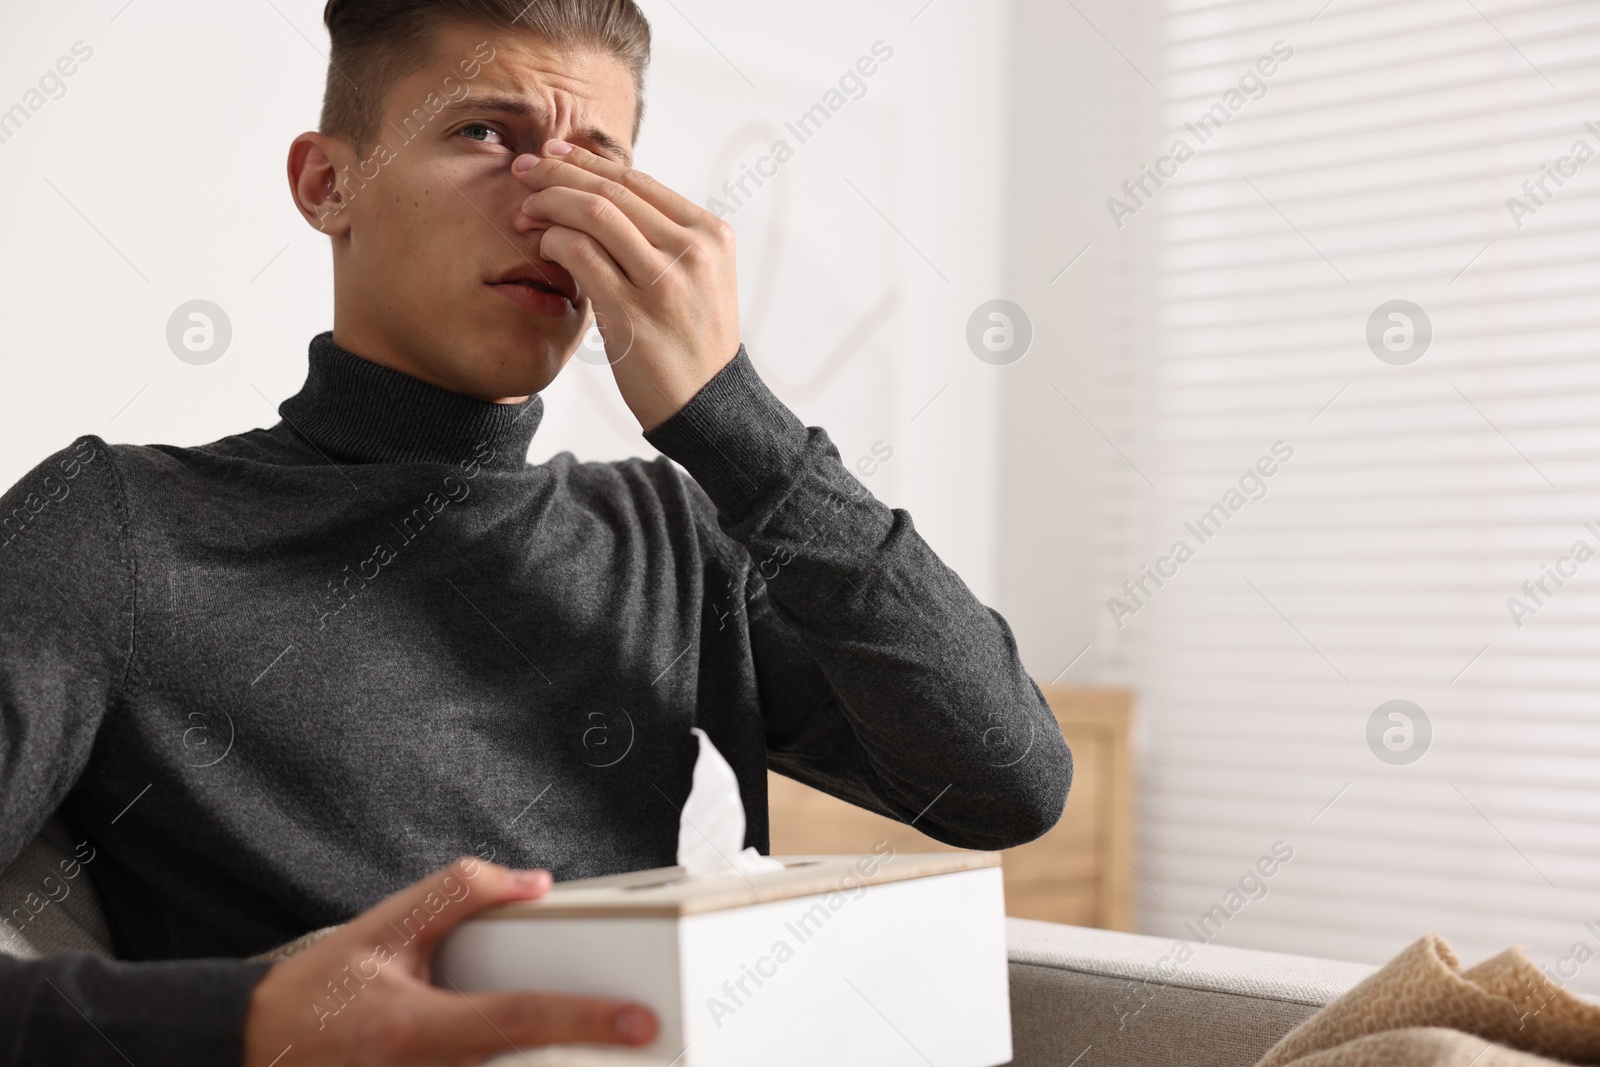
272,679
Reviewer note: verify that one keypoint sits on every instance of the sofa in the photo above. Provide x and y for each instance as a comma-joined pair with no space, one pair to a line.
1131,999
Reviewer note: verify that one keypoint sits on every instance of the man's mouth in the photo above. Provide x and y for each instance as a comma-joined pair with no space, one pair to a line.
552,279
543,287
544,292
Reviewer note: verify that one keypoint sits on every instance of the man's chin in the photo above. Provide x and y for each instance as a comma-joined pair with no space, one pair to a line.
518,362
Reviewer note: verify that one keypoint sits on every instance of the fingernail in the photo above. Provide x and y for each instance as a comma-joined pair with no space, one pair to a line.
633,1024
535,879
525,163
557,148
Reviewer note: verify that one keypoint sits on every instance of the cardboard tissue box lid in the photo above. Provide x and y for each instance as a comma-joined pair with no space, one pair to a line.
664,892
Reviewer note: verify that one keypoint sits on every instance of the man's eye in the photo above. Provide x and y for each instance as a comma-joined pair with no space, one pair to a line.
470,132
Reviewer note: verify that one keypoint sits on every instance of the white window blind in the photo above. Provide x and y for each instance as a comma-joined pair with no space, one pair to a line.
1376,561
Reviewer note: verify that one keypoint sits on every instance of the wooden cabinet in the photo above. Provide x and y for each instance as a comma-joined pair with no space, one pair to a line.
1079,873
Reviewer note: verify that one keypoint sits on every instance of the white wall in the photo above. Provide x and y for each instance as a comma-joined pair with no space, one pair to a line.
159,178
1079,112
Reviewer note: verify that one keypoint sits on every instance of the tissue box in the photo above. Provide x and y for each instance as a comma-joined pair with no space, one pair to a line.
878,959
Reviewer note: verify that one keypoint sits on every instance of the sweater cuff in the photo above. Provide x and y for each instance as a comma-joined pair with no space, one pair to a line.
734,437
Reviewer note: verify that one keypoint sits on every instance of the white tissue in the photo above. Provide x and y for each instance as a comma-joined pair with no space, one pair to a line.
711,827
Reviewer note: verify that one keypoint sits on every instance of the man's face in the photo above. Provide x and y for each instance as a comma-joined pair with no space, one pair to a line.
428,234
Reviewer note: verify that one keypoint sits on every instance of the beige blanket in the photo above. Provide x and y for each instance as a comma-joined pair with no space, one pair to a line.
1422,1010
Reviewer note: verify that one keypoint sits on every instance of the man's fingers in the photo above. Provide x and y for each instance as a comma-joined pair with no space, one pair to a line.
415,918
467,1024
588,213
557,173
587,260
671,204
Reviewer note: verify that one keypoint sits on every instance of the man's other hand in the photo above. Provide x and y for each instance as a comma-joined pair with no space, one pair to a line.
361,995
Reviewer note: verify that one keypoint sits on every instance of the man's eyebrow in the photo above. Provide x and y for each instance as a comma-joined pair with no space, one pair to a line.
511,105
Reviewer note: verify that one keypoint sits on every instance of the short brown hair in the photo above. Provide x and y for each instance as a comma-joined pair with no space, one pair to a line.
376,43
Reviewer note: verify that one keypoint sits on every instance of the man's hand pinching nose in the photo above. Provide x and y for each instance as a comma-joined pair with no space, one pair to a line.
658,268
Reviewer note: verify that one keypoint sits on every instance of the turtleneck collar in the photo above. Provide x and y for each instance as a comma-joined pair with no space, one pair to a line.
361,410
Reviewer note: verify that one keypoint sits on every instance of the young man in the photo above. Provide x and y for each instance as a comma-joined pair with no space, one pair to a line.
275,678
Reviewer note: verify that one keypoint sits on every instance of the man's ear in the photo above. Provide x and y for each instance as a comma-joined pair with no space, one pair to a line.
314,183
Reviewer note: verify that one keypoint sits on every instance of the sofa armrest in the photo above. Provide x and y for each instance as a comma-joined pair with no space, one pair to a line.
1157,1001
48,901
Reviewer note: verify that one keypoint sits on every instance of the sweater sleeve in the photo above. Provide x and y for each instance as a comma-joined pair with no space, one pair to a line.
66,649
77,1008
883,679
